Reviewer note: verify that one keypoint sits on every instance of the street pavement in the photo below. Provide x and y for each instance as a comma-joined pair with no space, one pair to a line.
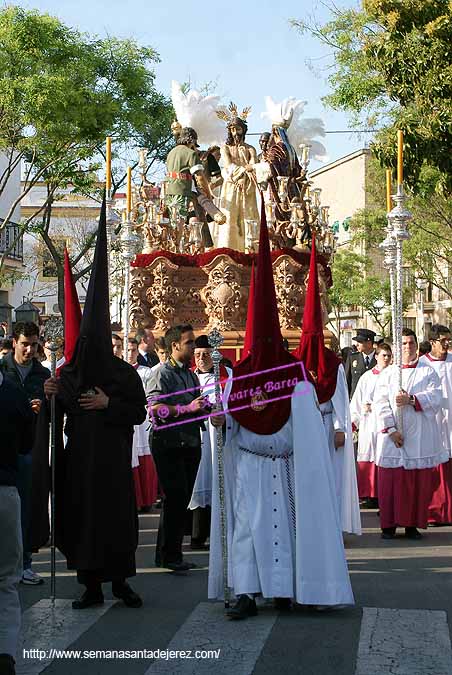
399,626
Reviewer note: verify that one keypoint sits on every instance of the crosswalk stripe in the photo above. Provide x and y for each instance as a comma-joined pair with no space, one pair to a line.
239,643
46,628
404,642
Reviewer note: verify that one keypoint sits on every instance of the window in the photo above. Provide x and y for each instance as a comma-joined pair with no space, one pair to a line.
49,270
409,322
41,306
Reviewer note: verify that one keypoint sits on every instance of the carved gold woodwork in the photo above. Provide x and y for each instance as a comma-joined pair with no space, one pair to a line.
289,293
216,295
163,293
222,295
142,280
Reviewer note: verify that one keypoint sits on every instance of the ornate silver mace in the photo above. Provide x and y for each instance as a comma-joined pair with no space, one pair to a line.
53,333
399,218
216,340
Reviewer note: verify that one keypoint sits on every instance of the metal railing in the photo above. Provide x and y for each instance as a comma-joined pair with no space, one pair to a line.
11,241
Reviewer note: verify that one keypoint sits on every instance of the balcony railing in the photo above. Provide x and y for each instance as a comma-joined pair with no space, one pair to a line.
11,241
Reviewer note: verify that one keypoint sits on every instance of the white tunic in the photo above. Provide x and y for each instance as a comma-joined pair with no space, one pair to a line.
140,445
422,447
363,418
283,533
336,417
202,489
443,416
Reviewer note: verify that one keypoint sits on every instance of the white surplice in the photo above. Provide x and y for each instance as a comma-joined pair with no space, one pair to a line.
284,537
363,418
202,489
444,415
422,446
140,444
336,417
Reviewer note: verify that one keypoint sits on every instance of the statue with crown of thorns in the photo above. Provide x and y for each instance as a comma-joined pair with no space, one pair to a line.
238,199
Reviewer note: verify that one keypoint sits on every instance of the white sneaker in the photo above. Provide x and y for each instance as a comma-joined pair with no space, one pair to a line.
31,578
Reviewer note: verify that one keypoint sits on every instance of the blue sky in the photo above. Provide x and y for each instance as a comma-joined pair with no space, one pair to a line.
247,47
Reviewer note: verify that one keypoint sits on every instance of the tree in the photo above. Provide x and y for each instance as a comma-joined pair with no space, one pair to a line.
374,296
429,250
392,68
347,269
61,94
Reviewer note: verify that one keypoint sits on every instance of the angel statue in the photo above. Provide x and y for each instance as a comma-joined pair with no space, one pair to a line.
288,129
238,193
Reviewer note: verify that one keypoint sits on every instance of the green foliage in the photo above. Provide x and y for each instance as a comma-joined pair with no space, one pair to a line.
429,250
392,68
371,292
347,269
61,93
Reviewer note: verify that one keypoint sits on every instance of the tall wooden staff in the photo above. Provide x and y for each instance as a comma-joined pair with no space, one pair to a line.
216,340
54,334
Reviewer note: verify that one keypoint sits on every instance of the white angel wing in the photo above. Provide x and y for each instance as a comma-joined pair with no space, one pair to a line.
304,130
199,112
301,130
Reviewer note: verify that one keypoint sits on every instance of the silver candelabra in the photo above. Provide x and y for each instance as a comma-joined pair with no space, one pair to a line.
129,242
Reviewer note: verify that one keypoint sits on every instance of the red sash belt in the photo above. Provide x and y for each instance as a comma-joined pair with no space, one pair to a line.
179,175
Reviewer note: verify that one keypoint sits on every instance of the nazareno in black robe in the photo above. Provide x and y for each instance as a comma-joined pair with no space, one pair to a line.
96,516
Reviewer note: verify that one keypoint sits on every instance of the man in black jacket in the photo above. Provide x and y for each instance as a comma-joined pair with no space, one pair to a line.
16,420
22,368
176,442
359,362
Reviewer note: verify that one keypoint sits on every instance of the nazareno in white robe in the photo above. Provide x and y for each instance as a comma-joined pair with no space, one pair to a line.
283,532
336,417
422,447
202,489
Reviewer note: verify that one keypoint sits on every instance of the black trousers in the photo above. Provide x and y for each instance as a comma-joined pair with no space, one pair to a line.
176,468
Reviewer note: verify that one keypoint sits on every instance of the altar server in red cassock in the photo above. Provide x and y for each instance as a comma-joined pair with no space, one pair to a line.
364,420
144,471
407,453
440,511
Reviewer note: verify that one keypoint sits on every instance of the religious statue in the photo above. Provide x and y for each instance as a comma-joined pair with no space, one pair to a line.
238,193
186,185
283,162
263,144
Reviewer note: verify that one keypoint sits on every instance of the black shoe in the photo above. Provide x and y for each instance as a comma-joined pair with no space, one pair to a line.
369,503
388,532
145,509
7,665
282,604
126,594
89,599
243,608
412,533
176,566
